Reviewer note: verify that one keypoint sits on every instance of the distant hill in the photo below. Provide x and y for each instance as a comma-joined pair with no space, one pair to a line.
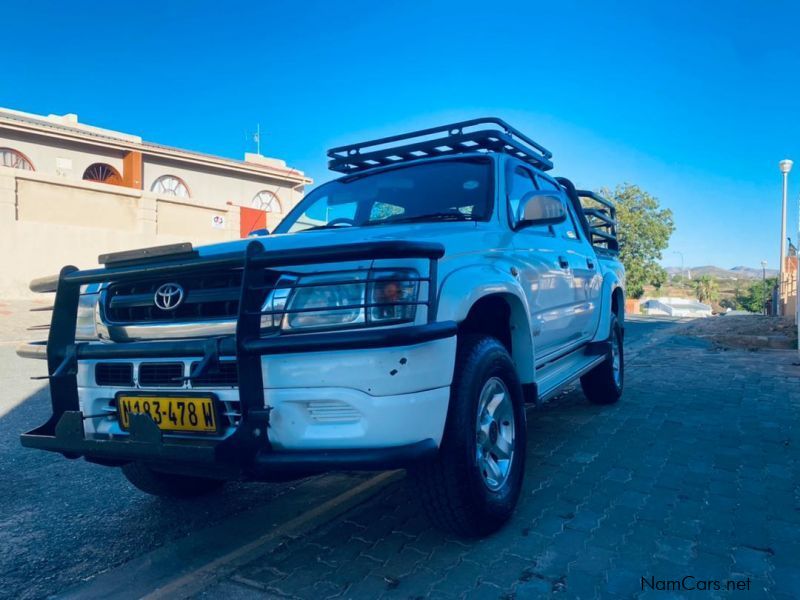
750,272
720,273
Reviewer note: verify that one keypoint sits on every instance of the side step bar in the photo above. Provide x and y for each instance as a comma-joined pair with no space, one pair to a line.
553,376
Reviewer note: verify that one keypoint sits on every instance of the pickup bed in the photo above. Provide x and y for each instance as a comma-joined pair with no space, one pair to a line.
401,315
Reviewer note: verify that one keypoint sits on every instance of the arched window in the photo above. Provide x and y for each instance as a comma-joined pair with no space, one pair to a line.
266,201
102,173
170,185
14,159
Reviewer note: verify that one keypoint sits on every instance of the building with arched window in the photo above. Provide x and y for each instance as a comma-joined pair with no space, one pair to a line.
14,159
267,201
70,191
102,173
170,185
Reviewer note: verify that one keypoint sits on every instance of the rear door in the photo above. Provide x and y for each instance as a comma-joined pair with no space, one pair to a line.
544,271
587,281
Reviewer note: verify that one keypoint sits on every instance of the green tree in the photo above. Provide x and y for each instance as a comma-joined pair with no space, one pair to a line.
754,297
643,229
706,289
659,278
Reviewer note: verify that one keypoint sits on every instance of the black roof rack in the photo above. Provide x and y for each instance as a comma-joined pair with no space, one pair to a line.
501,138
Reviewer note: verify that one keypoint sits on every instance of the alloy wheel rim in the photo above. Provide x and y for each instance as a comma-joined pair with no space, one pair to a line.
616,362
495,431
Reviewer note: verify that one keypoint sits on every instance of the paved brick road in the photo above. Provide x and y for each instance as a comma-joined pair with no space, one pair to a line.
694,472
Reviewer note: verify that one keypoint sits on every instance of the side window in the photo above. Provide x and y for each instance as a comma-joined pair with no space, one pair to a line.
519,183
546,184
569,228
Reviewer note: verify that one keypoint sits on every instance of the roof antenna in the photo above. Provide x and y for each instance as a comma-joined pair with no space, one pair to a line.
257,138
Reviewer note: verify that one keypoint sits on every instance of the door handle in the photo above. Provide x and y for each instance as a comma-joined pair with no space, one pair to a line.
590,263
563,262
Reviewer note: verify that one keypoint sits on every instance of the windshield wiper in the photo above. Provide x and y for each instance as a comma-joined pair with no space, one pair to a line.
438,216
326,226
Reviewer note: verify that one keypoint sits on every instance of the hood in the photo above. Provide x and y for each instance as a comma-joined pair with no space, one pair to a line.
456,237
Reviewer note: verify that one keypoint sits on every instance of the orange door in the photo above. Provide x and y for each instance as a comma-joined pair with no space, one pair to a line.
251,219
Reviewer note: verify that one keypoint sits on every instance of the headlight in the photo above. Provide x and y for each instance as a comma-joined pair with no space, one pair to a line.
86,323
393,296
326,305
341,300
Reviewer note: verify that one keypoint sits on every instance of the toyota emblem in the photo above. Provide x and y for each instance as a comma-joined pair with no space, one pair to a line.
168,296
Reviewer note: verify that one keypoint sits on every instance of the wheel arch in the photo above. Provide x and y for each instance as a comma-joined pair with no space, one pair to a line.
497,307
613,303
618,304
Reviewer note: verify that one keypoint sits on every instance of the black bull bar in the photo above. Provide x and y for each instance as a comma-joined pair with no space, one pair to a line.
248,446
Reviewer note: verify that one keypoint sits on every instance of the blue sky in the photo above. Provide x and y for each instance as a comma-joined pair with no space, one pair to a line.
696,102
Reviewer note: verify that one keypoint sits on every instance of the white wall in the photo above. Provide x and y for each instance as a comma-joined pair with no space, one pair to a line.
52,156
46,223
218,187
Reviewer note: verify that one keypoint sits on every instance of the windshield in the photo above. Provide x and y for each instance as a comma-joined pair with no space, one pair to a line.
453,190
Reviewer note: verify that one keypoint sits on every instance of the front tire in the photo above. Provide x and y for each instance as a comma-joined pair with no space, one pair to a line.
169,485
472,487
604,383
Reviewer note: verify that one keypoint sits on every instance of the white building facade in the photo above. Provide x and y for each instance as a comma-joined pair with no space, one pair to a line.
70,191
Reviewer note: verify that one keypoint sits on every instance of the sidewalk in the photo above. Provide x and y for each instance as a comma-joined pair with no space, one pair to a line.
694,473
16,317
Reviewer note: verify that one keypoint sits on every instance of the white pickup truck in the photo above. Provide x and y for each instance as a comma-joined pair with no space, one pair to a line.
400,316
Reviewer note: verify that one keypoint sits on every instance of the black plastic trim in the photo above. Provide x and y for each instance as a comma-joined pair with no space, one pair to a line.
311,461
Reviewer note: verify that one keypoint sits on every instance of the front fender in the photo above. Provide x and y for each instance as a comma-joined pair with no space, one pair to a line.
462,288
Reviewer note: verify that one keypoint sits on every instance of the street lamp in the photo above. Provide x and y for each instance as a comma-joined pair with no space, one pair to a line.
785,166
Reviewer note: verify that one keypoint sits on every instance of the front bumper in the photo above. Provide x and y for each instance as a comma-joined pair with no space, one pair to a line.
146,443
248,448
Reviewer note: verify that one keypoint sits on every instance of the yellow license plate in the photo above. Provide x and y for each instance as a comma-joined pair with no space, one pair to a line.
171,413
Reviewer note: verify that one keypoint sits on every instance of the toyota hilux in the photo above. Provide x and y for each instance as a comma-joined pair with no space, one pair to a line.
400,316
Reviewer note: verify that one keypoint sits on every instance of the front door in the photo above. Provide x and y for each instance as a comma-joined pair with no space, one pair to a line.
544,272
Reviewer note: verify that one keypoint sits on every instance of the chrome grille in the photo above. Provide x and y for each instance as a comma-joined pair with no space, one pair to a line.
208,296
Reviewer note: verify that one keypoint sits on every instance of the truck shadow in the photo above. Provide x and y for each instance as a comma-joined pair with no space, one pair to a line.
63,520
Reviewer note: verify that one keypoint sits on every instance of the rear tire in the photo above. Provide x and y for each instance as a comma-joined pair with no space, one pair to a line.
168,485
604,383
472,486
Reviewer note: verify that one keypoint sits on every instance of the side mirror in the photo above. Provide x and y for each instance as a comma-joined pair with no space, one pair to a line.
258,233
542,207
